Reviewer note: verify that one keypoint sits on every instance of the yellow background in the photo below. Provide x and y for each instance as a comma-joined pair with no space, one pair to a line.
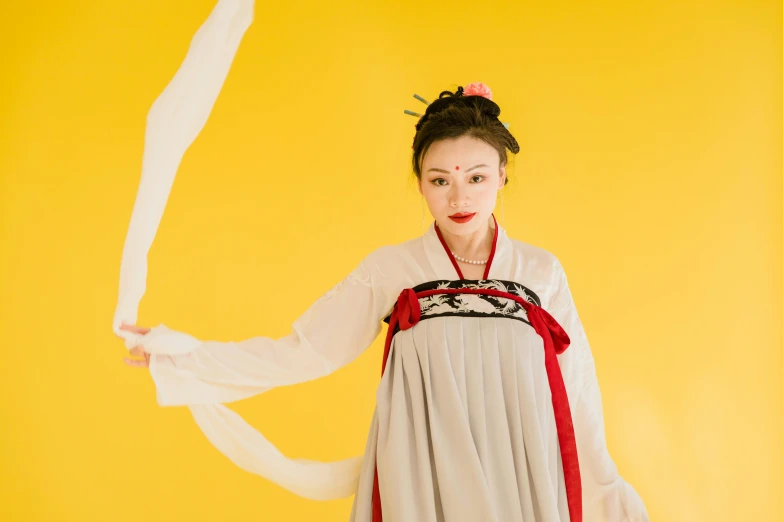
650,165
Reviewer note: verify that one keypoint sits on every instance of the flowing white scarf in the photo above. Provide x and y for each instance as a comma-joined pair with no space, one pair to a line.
174,120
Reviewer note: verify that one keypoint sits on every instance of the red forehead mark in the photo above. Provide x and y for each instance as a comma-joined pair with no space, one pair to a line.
457,167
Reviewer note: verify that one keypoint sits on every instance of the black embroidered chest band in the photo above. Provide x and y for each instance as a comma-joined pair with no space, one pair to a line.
471,304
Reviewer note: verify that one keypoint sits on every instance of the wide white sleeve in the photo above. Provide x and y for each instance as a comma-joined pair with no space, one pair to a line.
606,496
332,332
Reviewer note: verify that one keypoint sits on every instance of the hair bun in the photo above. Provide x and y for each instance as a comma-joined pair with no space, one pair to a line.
476,95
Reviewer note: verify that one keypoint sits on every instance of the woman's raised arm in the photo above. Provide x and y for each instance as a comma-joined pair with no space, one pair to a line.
332,332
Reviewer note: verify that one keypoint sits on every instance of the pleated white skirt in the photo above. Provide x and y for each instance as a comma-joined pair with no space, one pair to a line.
464,429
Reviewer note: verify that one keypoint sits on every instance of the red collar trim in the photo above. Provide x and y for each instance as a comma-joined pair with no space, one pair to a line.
454,261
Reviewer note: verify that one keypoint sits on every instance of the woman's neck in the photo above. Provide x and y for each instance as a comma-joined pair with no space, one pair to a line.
475,246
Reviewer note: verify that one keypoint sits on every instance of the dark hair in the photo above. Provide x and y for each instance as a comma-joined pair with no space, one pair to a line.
454,115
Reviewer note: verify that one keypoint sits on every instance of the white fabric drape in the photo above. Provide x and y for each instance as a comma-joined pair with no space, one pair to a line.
173,123
175,119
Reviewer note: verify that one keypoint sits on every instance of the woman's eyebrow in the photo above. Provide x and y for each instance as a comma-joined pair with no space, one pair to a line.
447,172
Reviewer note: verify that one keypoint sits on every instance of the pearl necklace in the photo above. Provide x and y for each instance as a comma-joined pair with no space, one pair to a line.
484,262
470,261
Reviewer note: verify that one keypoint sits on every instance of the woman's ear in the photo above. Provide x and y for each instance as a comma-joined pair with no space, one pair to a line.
502,177
419,184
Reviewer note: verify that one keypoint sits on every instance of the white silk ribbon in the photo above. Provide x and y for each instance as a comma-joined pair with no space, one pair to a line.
173,123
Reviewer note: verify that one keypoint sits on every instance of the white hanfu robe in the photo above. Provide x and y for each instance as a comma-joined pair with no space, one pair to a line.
464,428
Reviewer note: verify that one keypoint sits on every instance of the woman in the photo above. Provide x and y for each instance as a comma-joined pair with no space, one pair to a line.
488,408
465,425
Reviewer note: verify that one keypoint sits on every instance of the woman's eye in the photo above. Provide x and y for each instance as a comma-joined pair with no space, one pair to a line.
437,181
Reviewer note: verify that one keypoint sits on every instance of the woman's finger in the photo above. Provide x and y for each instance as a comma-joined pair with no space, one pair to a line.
138,364
138,351
134,328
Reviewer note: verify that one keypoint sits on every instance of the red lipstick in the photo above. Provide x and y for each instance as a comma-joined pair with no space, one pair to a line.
462,217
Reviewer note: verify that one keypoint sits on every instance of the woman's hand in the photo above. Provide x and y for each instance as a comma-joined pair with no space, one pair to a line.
137,350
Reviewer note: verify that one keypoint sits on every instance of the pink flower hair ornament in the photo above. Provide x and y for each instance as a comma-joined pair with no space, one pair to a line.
478,89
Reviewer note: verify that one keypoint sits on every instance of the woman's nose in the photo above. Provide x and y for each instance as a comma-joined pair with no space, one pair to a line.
458,198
